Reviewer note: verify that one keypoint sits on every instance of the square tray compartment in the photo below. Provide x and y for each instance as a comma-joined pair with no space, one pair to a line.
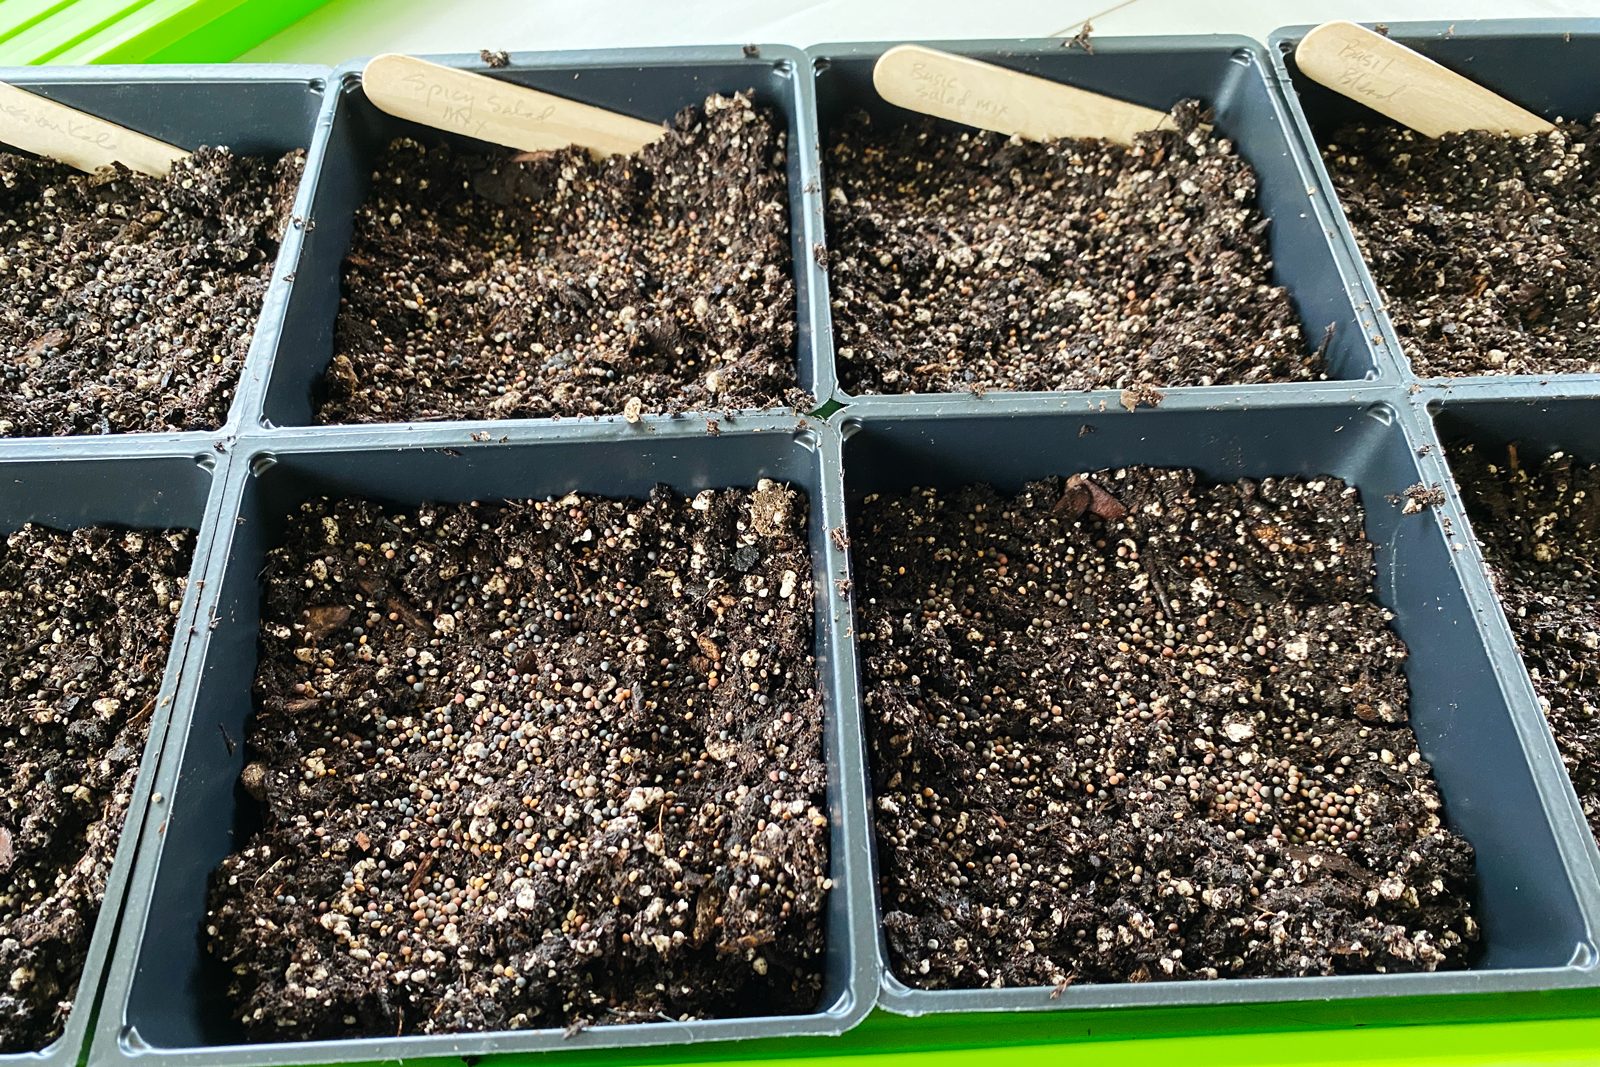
162,1001
1540,426
653,84
1230,74
1537,901
254,109
170,491
1544,65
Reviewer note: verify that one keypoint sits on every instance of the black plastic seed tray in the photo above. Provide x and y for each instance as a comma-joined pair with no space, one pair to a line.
153,490
1233,76
1538,902
254,109
1545,65
162,998
652,84
1476,722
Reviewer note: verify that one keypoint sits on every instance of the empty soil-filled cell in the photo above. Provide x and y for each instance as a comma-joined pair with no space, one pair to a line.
963,260
86,621
1538,522
482,284
531,764
130,300
1133,726
1485,248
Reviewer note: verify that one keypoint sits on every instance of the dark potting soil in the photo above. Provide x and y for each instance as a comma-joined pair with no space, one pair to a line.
531,764
1486,248
1539,524
481,287
1135,727
968,261
129,301
86,621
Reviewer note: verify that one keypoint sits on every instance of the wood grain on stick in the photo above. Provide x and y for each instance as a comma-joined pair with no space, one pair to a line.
981,94
1405,85
497,111
55,131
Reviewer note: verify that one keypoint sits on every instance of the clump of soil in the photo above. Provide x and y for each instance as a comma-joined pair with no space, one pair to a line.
1539,524
1486,248
965,260
86,620
1132,727
531,764
484,285
130,301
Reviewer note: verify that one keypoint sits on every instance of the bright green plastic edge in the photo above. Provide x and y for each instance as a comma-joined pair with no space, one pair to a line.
34,32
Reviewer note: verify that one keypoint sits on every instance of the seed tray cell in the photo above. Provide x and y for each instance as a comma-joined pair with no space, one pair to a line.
1540,64
253,109
1537,427
163,1003
652,84
1536,894
1229,74
163,492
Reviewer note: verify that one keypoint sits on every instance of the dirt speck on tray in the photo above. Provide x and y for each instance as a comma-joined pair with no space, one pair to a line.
537,764
86,621
486,286
962,259
1538,521
130,301
1128,727
1486,248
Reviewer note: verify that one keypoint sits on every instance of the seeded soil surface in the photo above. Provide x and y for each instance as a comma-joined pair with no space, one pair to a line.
1538,521
486,285
531,764
127,302
86,621
1130,726
969,261
1486,248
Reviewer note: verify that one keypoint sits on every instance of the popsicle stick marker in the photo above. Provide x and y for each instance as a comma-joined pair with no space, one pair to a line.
1405,85
55,131
496,111
975,93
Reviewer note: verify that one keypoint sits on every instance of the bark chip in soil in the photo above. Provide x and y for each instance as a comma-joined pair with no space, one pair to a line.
482,285
1538,521
86,620
130,301
963,260
531,764
1129,726
1486,248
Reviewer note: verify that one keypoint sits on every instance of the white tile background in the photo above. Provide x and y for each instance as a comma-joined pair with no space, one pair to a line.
345,29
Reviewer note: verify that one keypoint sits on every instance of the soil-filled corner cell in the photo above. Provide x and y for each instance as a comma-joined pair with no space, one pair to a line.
87,618
482,284
1131,726
963,261
130,300
1538,521
1486,248
531,764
